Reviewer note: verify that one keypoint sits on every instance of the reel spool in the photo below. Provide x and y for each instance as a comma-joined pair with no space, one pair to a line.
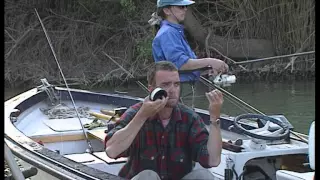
158,93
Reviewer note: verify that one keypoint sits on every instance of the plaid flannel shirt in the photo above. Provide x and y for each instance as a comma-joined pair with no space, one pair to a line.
168,151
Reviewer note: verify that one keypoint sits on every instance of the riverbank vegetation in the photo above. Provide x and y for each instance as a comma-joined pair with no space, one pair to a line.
81,31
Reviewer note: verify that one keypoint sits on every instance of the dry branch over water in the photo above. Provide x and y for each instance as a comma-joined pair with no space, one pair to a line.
80,30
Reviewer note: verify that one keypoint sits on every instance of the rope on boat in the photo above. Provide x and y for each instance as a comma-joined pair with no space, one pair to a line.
62,111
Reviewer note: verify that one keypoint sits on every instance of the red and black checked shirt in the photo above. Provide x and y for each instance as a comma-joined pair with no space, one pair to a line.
168,151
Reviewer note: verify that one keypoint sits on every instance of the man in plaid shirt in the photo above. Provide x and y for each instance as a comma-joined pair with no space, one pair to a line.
163,137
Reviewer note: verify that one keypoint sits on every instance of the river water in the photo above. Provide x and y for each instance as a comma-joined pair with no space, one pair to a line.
295,100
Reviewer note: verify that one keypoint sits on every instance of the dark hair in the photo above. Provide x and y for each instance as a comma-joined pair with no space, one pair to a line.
159,66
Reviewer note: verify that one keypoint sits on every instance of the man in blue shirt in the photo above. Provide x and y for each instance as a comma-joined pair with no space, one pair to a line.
170,44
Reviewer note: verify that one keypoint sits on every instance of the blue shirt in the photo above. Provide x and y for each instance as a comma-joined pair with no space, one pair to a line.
170,44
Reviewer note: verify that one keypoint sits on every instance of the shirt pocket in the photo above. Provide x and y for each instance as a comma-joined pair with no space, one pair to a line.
180,163
149,159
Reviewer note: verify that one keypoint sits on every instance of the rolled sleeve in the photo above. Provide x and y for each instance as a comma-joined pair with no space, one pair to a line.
173,49
123,122
198,139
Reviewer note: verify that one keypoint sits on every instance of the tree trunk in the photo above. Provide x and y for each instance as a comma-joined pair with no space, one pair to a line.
233,48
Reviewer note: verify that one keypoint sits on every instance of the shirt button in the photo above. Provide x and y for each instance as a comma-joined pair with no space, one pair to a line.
181,160
162,177
162,137
152,158
163,157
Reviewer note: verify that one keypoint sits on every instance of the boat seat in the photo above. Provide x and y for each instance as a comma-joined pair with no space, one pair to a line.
99,161
291,175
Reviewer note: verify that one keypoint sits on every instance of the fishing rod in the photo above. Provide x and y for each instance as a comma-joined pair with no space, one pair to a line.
64,79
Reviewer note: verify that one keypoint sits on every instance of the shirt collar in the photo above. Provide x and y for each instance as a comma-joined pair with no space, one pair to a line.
174,25
176,113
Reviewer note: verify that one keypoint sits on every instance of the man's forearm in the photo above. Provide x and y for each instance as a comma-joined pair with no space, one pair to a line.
122,139
196,64
214,144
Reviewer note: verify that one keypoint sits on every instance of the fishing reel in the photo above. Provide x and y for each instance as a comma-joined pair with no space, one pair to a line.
224,79
158,93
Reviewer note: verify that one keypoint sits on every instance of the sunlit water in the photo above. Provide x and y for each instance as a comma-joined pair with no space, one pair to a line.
295,100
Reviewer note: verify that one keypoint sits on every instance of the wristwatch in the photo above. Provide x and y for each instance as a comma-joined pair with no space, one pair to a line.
216,122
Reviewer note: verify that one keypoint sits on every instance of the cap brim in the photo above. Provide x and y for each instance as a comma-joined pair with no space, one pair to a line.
183,3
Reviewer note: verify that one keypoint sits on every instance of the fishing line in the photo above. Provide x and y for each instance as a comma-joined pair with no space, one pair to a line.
234,102
137,81
237,104
212,85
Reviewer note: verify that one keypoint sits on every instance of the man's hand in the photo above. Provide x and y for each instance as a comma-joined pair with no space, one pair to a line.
150,108
218,66
215,98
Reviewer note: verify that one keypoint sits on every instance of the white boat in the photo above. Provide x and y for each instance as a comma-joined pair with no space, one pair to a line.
58,144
